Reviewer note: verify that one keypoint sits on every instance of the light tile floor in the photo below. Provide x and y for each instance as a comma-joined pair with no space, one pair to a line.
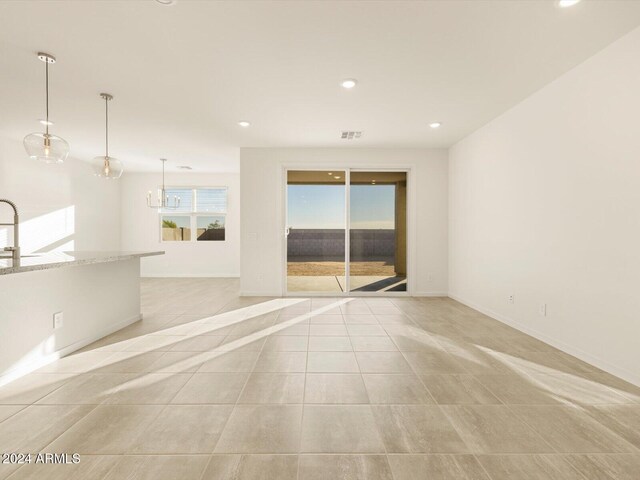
215,386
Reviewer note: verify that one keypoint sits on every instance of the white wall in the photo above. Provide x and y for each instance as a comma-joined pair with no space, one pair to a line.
140,228
62,207
545,205
261,174
96,300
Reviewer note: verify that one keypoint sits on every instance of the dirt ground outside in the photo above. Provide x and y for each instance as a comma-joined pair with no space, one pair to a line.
314,269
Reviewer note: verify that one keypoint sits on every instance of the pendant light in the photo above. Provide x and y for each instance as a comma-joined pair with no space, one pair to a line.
44,146
163,199
106,166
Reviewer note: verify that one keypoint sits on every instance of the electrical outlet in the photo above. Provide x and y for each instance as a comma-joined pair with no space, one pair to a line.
429,278
58,320
511,299
542,309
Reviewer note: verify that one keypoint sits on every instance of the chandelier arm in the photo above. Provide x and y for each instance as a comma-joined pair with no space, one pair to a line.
163,198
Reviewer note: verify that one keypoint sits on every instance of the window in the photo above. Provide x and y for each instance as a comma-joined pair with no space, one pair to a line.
202,211
176,228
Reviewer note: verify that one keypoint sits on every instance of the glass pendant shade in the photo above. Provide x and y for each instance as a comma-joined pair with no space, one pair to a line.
46,147
43,146
107,167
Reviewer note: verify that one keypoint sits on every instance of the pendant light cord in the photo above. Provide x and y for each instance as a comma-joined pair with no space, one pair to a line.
46,69
106,130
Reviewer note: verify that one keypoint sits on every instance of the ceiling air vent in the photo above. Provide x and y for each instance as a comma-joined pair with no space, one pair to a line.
348,135
185,167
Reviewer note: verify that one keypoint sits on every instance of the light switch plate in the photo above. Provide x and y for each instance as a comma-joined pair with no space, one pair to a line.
58,320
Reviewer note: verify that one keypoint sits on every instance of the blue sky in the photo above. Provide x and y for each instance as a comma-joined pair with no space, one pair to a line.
322,206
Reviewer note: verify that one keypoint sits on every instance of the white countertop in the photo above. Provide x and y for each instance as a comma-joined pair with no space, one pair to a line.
33,262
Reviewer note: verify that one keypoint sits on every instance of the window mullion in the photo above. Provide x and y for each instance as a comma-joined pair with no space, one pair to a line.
194,209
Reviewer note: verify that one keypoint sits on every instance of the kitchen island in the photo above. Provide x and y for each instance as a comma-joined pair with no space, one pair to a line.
91,294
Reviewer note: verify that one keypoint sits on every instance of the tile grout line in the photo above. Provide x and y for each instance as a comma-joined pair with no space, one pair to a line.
70,426
304,393
369,454
387,455
197,369
484,469
180,389
410,365
438,405
375,421
23,405
615,434
440,409
235,405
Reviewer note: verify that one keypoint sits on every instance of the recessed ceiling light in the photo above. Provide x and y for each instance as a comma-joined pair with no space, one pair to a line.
435,124
244,123
166,3
330,173
349,83
337,178
567,3
45,122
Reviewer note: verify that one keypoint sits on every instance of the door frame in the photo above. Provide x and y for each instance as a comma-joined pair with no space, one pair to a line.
348,169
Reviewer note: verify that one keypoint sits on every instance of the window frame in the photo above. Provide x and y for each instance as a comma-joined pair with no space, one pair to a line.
193,214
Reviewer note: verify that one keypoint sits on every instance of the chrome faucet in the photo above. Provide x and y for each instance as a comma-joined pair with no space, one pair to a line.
15,250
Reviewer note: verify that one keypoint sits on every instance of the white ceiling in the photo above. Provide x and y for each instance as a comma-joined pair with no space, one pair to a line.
183,76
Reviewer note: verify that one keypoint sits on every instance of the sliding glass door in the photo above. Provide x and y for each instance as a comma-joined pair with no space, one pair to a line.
316,259
378,232
346,232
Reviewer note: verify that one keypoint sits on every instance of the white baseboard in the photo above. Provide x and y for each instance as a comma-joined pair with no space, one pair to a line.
250,293
631,377
329,294
98,335
29,367
190,275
